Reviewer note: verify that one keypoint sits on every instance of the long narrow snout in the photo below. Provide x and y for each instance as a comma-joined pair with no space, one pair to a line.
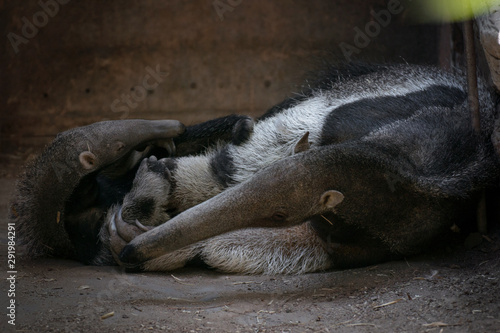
277,196
48,182
213,217
135,131
104,142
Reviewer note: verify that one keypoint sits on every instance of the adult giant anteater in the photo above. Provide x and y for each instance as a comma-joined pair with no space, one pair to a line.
368,164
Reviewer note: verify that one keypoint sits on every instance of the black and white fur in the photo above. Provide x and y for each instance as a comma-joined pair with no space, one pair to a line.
364,103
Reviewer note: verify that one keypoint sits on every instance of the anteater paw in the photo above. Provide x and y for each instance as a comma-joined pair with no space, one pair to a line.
121,233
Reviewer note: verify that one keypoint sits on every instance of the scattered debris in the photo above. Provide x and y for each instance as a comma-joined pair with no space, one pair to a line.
181,281
437,324
181,299
434,275
487,238
361,324
108,315
388,303
327,220
246,282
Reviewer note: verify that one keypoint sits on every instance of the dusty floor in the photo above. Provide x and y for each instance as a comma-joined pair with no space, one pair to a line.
439,292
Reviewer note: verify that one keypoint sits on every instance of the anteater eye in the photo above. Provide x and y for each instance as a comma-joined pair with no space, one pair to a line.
279,216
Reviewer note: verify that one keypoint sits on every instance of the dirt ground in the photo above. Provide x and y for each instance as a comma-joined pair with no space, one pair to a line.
445,291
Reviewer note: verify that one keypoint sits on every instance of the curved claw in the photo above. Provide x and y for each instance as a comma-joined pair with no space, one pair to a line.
142,226
168,144
121,233
127,230
116,243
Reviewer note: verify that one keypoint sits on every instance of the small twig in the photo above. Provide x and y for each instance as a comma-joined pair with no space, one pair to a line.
482,263
407,262
388,303
180,299
181,281
327,219
246,282
361,324
437,324
487,238
108,315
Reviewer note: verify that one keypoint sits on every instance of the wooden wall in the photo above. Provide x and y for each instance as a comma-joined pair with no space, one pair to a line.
70,63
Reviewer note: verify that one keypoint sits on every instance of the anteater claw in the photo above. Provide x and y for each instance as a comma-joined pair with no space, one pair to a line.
121,233
127,230
141,226
116,243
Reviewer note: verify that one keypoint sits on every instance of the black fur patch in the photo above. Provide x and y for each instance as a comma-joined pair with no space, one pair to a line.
354,120
284,105
143,208
348,245
323,79
223,167
197,138
86,208
197,261
157,167
329,74
160,167
112,191
83,231
242,131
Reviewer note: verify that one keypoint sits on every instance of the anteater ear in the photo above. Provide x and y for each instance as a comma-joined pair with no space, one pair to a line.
302,145
330,199
88,160
242,131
